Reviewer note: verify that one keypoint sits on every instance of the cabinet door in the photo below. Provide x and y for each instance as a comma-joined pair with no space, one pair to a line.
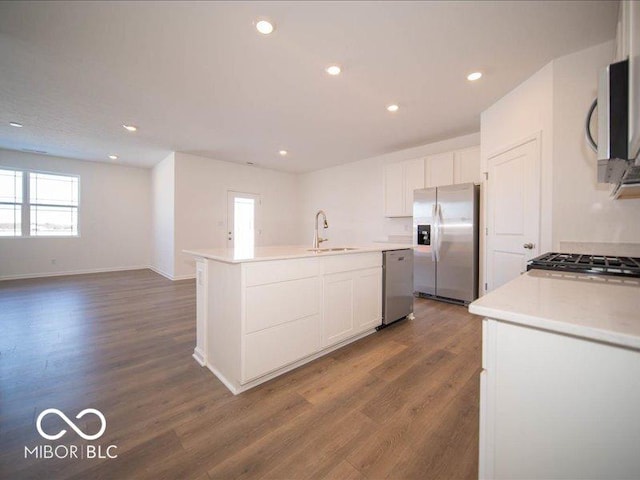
413,179
338,311
394,190
367,301
467,166
439,170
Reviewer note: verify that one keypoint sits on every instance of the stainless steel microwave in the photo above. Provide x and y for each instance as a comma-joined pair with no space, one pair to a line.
617,163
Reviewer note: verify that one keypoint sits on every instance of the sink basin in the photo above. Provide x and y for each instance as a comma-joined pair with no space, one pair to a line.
335,249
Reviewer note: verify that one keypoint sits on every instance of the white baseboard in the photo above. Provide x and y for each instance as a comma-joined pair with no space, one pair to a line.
198,355
73,272
191,276
236,389
172,277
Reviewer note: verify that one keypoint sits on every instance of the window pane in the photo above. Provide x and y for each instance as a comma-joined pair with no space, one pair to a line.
54,221
53,189
10,220
10,186
244,225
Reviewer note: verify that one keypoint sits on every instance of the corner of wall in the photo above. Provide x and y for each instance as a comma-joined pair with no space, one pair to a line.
163,216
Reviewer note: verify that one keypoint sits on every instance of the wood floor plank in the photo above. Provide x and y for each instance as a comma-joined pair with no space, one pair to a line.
401,403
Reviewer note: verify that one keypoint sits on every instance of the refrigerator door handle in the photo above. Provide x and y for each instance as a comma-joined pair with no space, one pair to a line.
434,232
438,230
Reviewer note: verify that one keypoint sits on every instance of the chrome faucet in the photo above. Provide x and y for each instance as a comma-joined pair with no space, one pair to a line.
317,240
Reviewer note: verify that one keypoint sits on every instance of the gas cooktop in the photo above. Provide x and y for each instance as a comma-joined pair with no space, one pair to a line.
591,264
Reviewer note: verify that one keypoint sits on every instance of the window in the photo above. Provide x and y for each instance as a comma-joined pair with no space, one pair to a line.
10,203
38,204
53,203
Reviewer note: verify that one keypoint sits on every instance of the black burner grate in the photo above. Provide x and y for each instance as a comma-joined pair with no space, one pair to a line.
595,264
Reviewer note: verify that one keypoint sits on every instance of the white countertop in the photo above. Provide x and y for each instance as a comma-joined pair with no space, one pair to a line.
281,252
602,308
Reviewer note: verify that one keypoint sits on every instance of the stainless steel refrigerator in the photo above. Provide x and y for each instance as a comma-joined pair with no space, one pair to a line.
445,228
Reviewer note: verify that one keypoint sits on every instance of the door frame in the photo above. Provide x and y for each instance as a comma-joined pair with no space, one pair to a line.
487,221
231,194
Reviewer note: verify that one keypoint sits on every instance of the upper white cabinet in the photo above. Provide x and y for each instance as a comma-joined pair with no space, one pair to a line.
400,180
466,168
439,169
414,179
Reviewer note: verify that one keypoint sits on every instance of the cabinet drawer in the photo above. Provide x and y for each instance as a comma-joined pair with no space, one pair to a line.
276,347
346,263
276,303
260,273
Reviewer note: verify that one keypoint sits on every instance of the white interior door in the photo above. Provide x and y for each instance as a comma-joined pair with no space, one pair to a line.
243,232
513,219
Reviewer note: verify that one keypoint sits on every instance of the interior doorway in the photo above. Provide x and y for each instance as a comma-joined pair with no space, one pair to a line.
243,220
513,216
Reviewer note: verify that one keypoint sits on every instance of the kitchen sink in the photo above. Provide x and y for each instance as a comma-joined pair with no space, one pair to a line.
336,249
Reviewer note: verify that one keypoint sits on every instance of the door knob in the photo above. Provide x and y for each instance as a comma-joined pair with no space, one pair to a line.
529,246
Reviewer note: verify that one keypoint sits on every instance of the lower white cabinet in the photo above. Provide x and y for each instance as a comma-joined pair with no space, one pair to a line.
555,406
262,318
352,304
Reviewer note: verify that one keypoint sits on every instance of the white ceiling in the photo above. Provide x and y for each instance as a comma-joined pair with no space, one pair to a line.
197,77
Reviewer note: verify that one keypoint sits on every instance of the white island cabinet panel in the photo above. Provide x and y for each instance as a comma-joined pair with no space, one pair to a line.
272,348
276,303
273,271
338,307
367,299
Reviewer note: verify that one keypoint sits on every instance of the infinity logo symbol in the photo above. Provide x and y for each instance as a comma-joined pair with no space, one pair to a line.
71,424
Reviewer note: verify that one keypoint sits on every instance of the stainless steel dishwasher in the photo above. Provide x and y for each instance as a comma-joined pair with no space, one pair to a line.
397,285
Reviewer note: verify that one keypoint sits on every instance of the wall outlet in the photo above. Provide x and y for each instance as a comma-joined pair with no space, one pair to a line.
53,261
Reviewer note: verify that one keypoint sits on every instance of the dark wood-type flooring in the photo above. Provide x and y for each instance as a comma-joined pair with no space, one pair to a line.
402,403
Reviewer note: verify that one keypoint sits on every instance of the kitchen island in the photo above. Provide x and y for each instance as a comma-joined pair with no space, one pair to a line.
560,386
262,312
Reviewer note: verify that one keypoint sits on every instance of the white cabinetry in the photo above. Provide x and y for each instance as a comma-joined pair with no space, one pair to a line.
352,298
400,180
439,169
557,406
466,167
257,320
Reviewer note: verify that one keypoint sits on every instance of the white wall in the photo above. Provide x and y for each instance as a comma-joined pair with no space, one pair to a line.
201,205
162,241
582,209
114,221
525,112
353,199
576,211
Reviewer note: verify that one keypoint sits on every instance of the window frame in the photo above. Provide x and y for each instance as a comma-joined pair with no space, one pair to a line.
26,203
21,203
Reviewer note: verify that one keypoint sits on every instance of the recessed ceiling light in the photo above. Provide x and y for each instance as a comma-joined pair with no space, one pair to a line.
113,157
283,152
333,70
393,108
131,128
15,124
264,27
472,77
